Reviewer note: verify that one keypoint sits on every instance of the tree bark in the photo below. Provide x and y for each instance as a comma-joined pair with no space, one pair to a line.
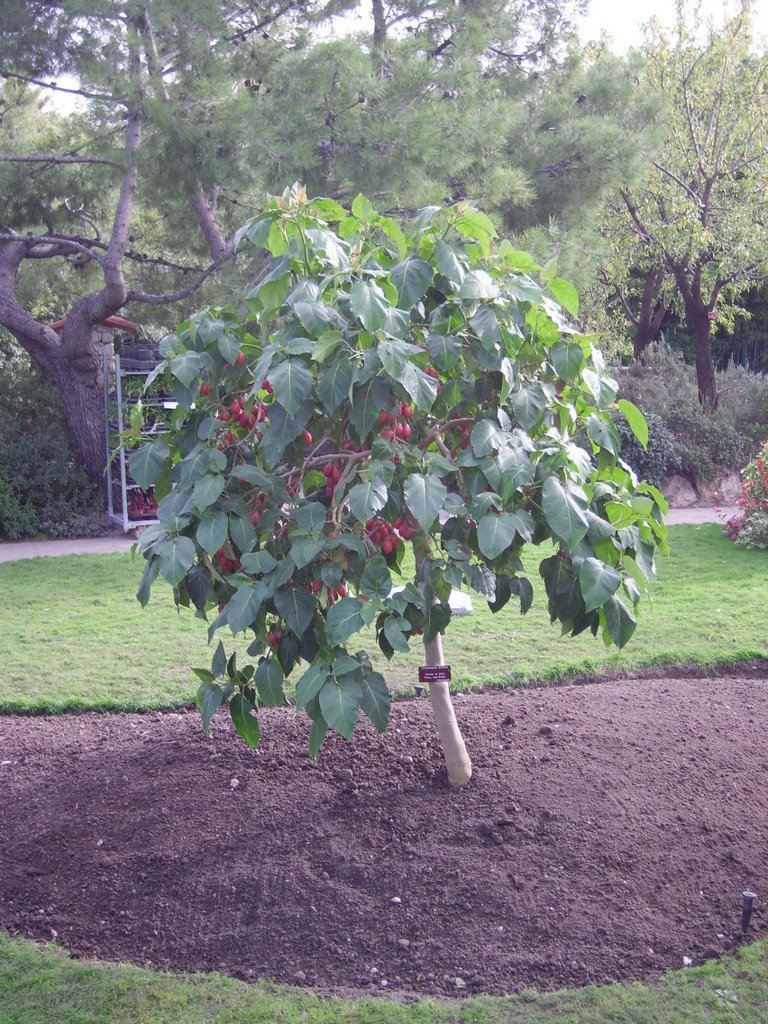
82,397
652,313
705,368
457,760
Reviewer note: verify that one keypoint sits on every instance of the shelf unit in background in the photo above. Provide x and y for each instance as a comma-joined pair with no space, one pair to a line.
127,504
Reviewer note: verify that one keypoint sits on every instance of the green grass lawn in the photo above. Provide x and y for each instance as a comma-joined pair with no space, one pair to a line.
41,985
74,636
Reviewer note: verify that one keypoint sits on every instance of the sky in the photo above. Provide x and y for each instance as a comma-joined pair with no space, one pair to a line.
622,20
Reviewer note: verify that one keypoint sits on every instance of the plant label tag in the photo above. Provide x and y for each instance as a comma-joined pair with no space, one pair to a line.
435,674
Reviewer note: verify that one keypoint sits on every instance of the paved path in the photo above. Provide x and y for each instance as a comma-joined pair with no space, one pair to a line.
18,550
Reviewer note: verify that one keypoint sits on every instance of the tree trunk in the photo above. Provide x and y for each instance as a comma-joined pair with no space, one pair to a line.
455,752
705,368
652,312
82,397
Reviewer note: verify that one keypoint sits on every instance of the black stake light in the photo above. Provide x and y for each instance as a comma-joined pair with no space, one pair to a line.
746,909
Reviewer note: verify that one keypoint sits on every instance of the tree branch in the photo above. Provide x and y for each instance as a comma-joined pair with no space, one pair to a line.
102,97
183,293
53,158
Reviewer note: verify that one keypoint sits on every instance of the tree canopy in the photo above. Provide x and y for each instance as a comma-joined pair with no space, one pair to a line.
694,231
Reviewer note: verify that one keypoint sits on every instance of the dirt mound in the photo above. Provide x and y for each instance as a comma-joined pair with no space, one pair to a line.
608,833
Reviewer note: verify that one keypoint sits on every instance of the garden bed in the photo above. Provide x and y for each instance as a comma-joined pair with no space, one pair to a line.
608,833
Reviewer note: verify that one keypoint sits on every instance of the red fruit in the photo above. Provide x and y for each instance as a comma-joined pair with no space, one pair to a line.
399,430
230,436
223,416
407,411
307,437
252,420
383,418
387,547
266,386
245,420
270,638
240,359
432,372
327,470
406,533
222,606
262,414
329,490
255,518
336,474
342,590
205,388
406,430
388,433
236,408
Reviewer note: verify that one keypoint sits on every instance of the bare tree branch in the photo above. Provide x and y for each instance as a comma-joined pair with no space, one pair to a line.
41,247
53,158
102,97
160,300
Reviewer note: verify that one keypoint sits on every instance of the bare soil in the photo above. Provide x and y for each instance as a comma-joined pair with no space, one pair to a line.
608,833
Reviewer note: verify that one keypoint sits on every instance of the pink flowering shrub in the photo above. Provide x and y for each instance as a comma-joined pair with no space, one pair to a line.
750,526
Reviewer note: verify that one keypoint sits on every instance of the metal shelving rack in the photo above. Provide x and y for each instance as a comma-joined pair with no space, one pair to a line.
119,482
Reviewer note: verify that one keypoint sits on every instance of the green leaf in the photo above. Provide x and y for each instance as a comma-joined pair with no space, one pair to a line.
281,428
269,680
305,550
219,661
603,389
367,403
362,208
637,422
486,437
366,499
487,329
258,562
317,734
445,350
149,574
333,385
198,584
566,295
369,304
448,263
310,517
244,606
176,555
291,382
207,490
146,463
424,496
311,683
340,705
376,581
376,700
326,345
229,347
412,278
567,359
598,582
210,697
333,249
495,533
211,531
244,720
421,388
564,513
478,285
343,620
528,404
604,433
296,606
619,621
186,368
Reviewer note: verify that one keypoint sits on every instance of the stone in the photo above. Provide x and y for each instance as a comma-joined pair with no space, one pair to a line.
679,492
724,489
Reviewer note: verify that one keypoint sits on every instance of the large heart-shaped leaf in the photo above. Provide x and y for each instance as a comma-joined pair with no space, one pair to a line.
495,533
340,704
598,582
291,382
424,496
245,721
344,619
564,512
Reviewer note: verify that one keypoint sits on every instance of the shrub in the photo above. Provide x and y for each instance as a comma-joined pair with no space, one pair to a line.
42,488
664,387
750,527
649,463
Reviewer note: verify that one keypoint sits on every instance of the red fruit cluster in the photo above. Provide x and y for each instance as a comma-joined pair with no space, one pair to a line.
348,446
205,389
383,534
266,386
334,593
403,528
332,476
274,637
227,564
394,427
314,586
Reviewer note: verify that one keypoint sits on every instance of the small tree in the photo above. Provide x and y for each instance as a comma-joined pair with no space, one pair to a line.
386,390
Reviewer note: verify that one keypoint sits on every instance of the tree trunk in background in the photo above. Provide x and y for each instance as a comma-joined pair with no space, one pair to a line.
705,368
652,312
82,397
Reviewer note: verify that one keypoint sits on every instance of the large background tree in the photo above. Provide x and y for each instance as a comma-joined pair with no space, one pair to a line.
192,113
695,231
